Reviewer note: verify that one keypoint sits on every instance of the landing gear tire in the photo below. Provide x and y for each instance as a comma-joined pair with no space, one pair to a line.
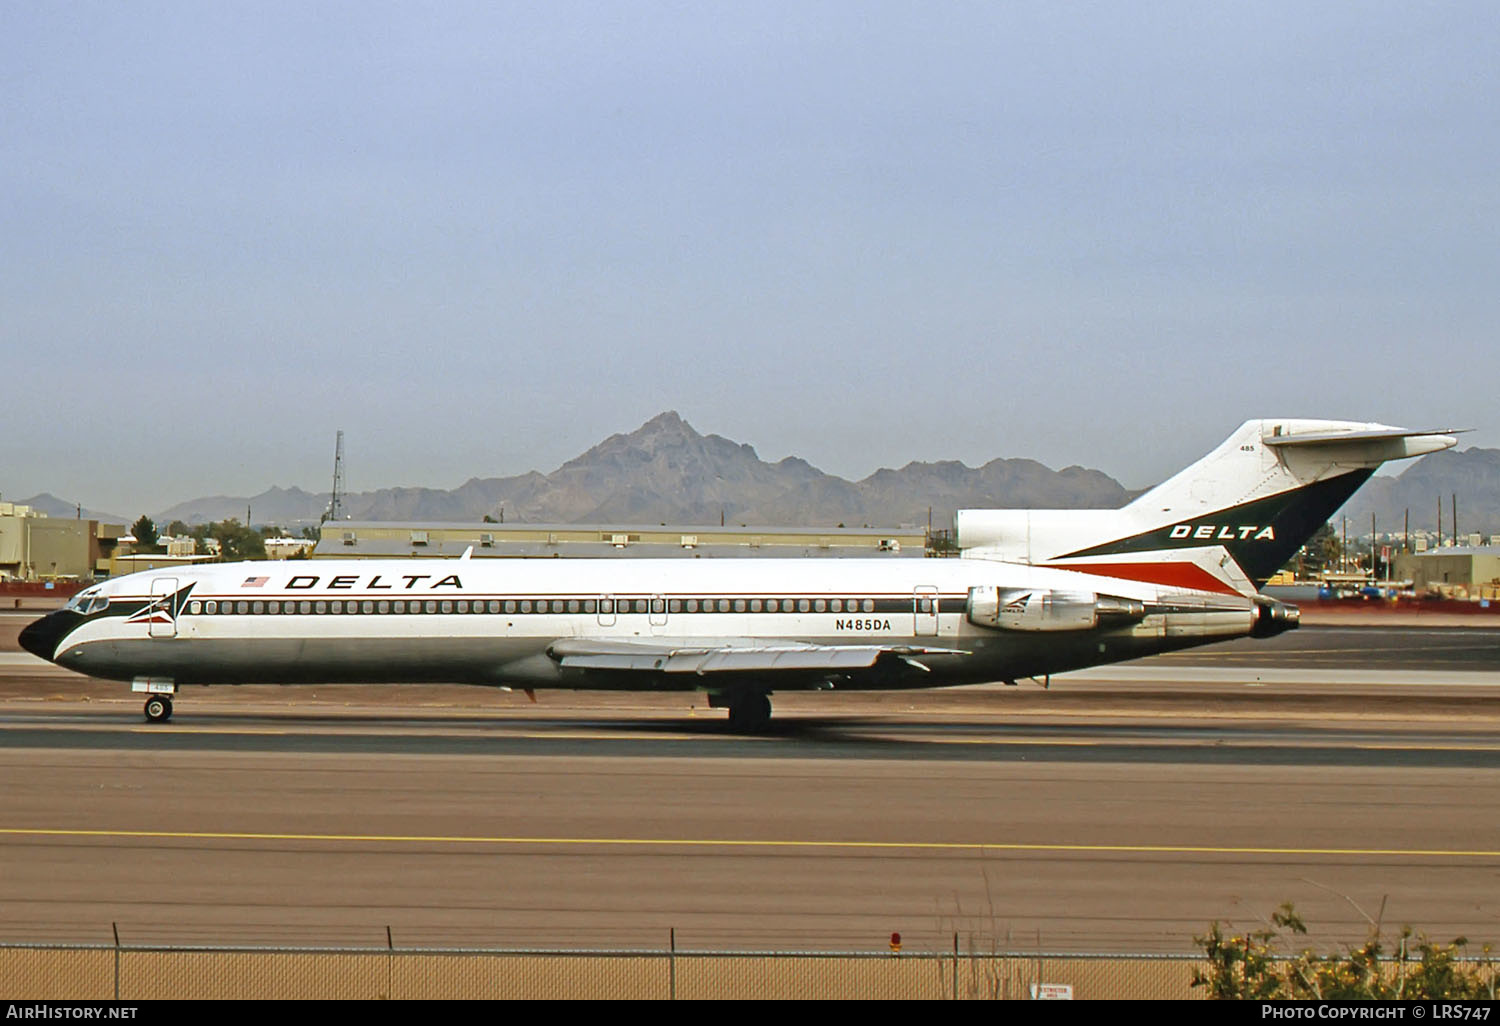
749,714
158,709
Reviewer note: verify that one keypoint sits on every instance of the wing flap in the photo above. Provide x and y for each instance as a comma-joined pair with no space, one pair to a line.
645,657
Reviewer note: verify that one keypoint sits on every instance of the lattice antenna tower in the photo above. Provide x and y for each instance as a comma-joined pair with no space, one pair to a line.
335,508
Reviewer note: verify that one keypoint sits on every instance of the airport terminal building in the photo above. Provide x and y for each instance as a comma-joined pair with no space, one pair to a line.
384,540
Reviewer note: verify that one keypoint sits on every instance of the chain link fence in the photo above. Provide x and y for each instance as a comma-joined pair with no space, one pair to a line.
131,973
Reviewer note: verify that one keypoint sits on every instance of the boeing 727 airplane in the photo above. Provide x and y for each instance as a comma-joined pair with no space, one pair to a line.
1038,593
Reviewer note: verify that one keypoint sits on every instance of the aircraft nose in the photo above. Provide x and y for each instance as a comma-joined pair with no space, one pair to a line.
41,637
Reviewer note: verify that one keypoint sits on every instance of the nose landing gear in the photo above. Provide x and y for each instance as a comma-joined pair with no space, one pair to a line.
159,692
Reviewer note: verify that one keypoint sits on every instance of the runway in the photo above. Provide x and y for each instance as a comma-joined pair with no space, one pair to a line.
1122,809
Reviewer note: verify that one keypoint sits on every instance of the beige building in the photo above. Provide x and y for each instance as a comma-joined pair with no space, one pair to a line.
383,540
133,562
288,548
36,547
1467,572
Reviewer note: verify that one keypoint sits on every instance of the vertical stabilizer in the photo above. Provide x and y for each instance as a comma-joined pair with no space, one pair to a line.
1254,501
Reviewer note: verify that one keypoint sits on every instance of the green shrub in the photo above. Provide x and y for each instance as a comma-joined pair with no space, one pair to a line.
1248,967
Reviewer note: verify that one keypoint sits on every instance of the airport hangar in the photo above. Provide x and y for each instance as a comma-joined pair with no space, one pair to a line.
390,540
1472,570
36,547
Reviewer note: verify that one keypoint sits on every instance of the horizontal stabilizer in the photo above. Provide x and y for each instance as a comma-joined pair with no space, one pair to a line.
1353,437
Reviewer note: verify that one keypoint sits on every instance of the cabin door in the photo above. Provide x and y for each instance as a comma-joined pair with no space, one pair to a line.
658,614
925,611
163,616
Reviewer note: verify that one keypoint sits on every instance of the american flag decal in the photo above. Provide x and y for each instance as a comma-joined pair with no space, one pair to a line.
255,582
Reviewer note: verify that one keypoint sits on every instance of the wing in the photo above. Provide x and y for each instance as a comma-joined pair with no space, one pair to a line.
742,656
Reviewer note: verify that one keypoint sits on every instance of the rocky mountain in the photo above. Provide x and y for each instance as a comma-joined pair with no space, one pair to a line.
55,507
665,471
1472,474
273,506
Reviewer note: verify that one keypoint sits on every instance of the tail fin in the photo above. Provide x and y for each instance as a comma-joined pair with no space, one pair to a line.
1253,501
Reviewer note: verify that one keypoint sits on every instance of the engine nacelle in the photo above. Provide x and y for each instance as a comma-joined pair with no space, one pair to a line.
1041,609
1273,618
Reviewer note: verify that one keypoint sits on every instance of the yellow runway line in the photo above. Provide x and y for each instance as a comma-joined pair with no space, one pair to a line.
668,842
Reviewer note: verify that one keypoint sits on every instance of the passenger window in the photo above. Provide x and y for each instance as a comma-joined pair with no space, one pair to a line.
658,605
803,605
819,606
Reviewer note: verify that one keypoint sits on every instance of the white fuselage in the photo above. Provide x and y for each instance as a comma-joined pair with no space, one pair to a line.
495,621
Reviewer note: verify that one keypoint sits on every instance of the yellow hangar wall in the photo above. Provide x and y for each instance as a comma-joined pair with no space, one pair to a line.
380,540
37,547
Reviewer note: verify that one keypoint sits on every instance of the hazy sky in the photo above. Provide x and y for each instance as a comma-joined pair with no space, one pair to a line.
481,238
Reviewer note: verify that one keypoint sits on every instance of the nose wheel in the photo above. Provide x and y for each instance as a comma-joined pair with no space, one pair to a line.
158,709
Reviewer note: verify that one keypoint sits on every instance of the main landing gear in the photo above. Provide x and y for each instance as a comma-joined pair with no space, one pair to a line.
158,709
749,711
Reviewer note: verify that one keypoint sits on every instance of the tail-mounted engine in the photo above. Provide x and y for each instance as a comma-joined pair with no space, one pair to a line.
1273,618
1041,609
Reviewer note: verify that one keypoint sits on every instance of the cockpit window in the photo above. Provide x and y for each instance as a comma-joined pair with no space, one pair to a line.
86,602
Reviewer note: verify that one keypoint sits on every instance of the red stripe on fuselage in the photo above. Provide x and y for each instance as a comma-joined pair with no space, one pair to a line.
1171,575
